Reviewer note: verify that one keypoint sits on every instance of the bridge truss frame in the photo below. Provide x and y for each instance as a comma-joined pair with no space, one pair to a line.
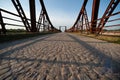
44,24
92,26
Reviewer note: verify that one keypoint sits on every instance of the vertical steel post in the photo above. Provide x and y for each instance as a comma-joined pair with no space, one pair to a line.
33,15
65,29
86,21
2,24
95,9
82,24
44,22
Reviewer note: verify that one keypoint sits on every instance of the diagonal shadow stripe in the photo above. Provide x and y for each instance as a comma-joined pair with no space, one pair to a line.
109,62
21,41
8,52
51,61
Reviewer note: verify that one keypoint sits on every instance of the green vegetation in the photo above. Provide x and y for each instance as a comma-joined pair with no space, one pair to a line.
13,35
109,38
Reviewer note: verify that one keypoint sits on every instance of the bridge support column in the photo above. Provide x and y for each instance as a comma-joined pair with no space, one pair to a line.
33,15
3,30
95,9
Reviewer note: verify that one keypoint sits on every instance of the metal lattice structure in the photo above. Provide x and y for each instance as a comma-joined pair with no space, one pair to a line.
92,26
82,23
79,22
44,23
21,14
111,7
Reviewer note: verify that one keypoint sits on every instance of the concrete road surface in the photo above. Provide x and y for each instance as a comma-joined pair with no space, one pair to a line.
60,56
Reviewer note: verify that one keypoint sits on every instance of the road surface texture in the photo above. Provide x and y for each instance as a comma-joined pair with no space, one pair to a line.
60,56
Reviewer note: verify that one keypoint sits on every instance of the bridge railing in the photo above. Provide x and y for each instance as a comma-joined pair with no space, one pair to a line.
12,19
4,23
96,26
110,24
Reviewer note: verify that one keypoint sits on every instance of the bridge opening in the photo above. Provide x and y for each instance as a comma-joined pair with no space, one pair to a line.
62,28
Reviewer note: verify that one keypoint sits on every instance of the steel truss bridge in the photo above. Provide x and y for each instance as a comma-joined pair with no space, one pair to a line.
82,23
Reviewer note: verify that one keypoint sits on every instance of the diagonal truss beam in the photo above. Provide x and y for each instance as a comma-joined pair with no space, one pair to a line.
21,13
44,21
45,12
79,21
86,20
111,7
95,27
81,11
43,24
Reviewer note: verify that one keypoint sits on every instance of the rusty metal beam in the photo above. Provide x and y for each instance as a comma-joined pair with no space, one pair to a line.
95,9
111,7
81,11
33,15
45,18
3,30
21,13
81,24
86,21
40,21
78,20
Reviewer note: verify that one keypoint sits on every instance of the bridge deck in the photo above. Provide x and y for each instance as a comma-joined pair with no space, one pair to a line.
60,56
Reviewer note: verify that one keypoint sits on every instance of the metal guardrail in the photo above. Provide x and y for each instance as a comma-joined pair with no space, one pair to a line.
109,21
12,19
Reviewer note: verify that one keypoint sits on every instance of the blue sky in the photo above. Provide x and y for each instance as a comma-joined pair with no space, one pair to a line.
61,12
